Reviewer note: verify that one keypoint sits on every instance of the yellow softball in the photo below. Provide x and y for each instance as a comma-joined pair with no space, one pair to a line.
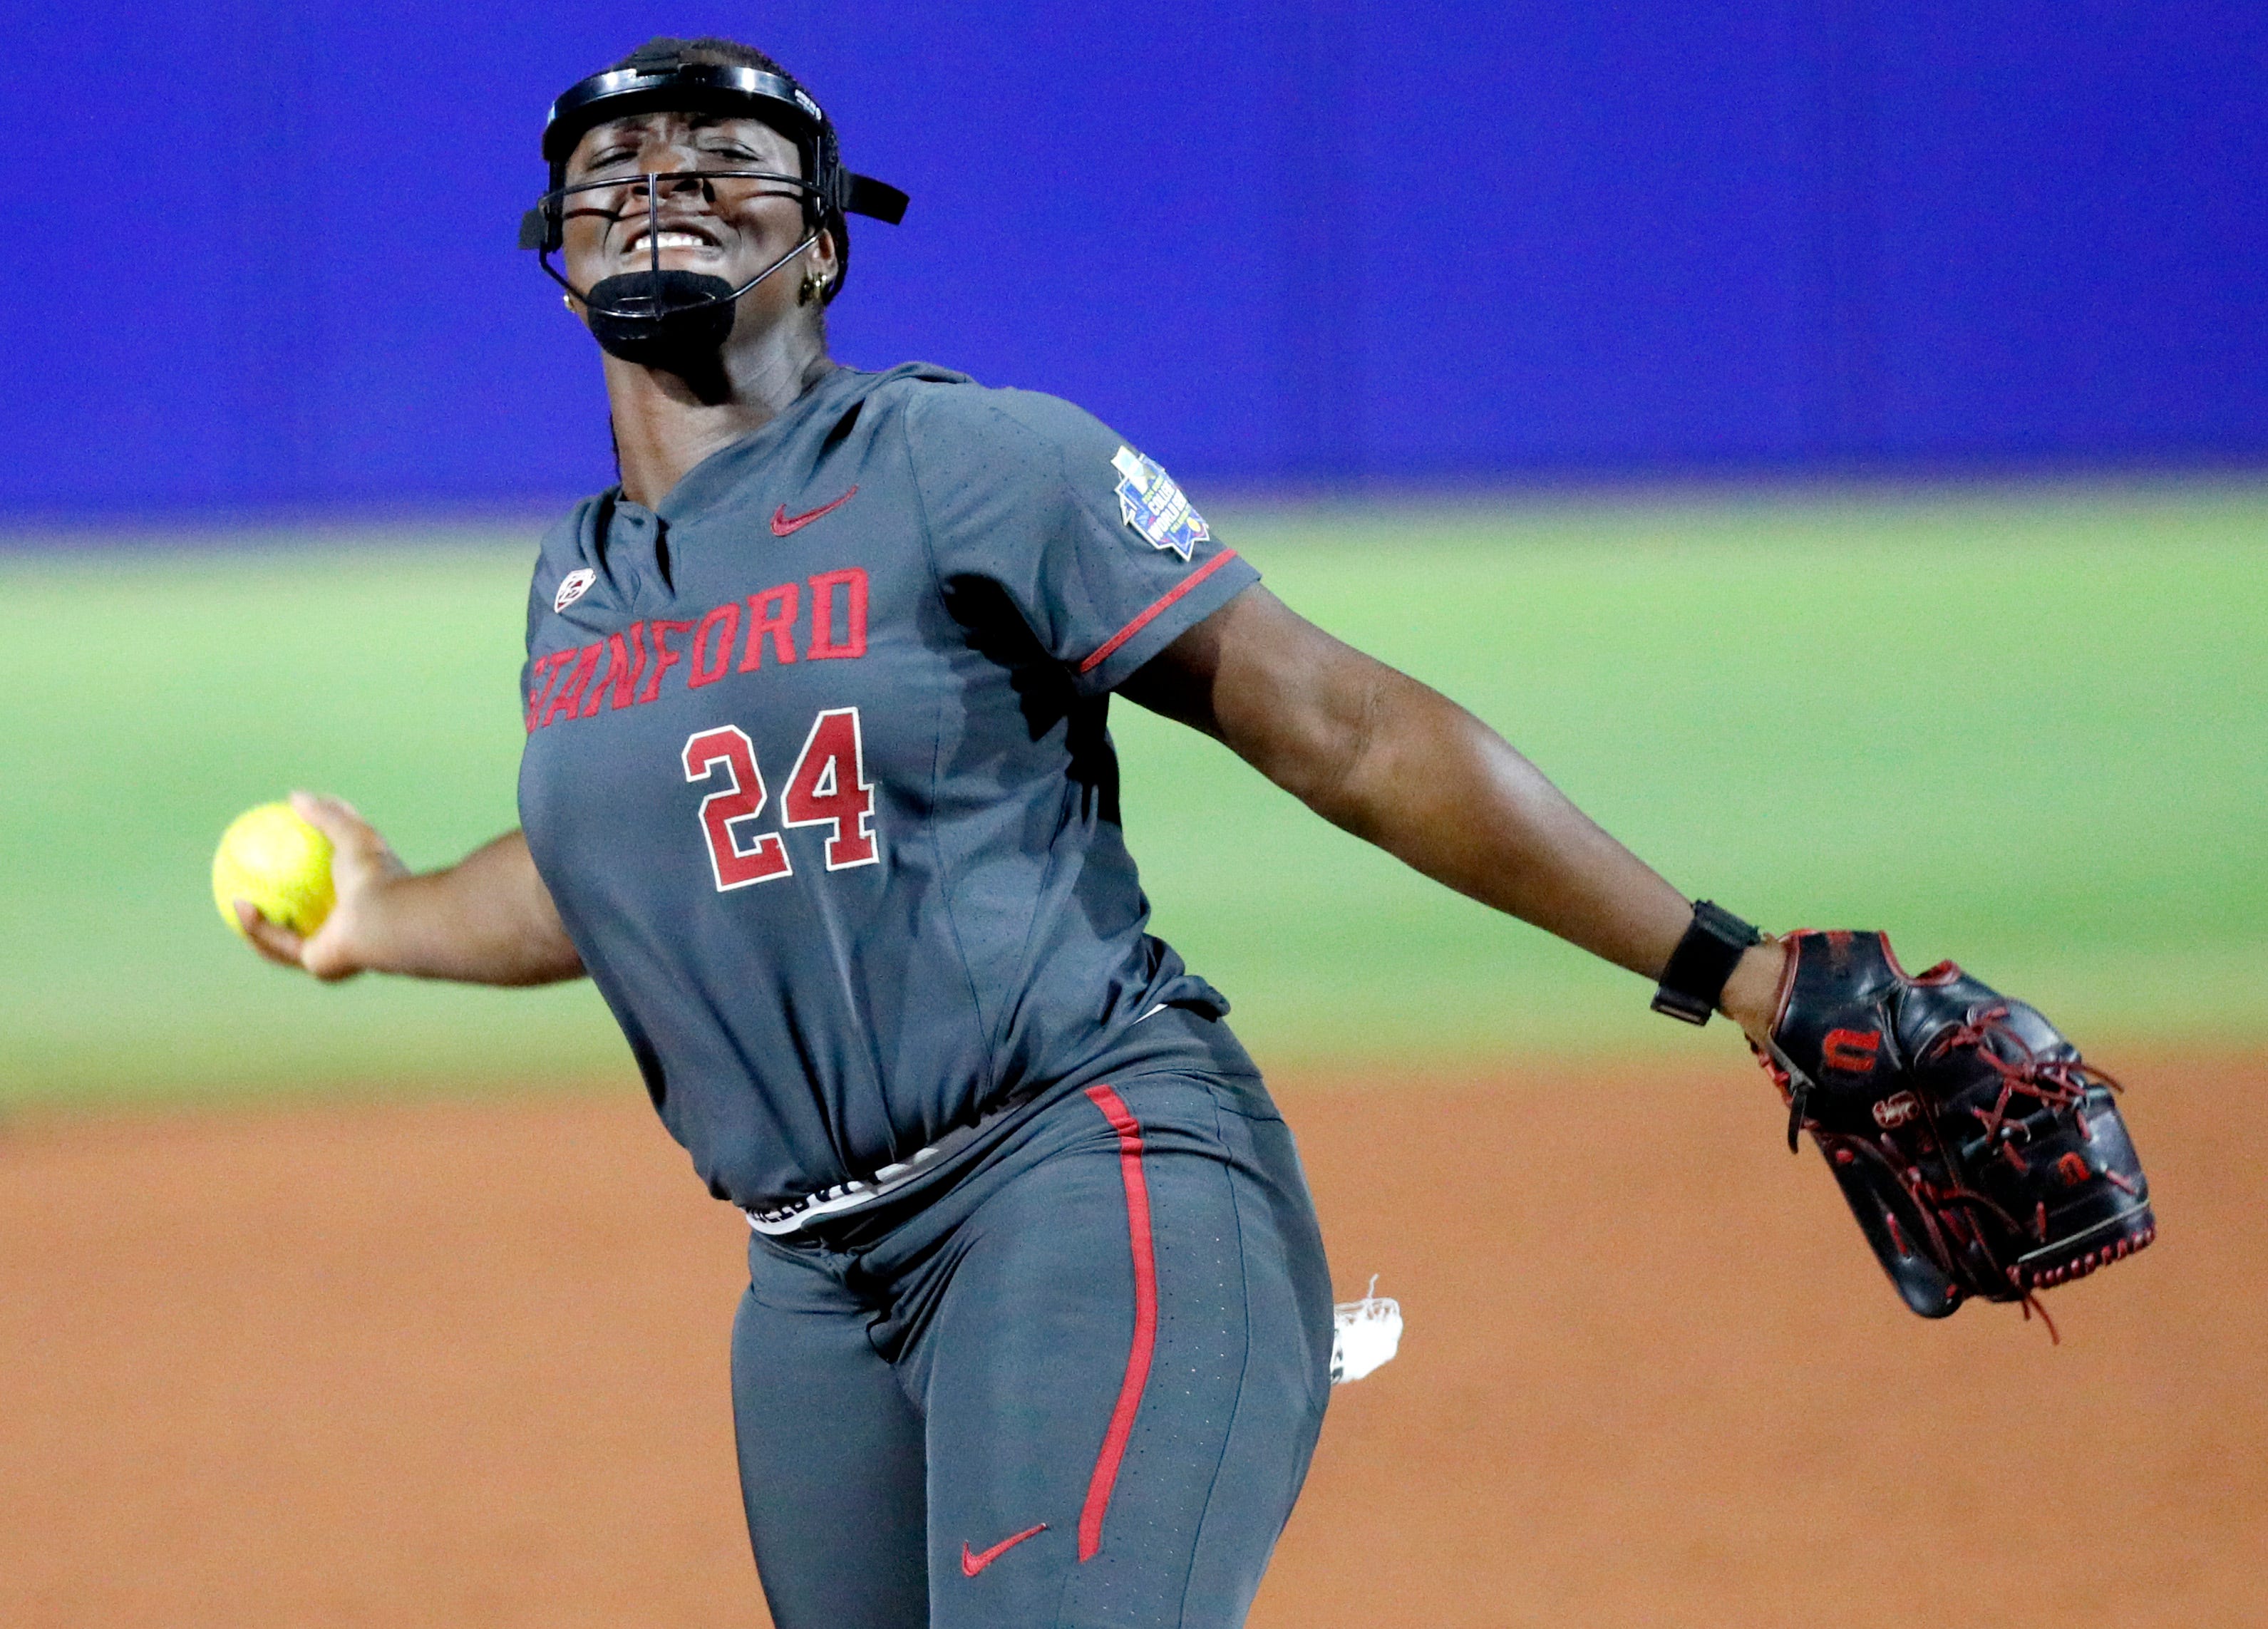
278,862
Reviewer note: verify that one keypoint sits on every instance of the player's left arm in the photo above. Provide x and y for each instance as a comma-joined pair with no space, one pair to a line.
1875,1064
1400,765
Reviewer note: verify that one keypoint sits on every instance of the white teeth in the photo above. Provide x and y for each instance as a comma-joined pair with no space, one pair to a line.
671,241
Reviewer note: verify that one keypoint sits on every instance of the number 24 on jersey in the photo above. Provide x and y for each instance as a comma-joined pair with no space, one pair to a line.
828,787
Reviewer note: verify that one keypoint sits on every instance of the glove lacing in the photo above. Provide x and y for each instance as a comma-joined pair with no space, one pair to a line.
2055,1084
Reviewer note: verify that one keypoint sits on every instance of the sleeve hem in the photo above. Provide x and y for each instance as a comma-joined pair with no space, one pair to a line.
1180,608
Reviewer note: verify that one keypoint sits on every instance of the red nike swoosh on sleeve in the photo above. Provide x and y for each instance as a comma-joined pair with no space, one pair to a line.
784,522
972,1565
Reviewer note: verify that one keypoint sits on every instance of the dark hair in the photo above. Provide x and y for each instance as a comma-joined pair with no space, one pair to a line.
666,51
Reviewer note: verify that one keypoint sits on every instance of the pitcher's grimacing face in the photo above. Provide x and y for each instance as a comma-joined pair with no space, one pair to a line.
730,229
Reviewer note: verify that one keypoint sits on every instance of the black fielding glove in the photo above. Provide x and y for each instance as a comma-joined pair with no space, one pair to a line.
1980,1154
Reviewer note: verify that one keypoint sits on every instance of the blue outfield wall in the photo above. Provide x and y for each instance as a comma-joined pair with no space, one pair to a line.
263,253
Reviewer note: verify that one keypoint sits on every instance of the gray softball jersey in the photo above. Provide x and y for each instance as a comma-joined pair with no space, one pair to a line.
817,773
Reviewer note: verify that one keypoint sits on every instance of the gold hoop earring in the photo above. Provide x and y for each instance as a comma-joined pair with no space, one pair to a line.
812,287
568,300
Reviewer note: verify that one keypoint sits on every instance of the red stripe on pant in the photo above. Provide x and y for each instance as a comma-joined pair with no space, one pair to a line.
1146,1320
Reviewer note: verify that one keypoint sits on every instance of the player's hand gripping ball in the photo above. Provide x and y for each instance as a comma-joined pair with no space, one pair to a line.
282,865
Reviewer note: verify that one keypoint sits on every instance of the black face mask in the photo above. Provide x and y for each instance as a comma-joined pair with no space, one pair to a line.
679,321
674,320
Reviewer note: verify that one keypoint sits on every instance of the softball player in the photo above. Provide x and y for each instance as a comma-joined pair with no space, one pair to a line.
817,788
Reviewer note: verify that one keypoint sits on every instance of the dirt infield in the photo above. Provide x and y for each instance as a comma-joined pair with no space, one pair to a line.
460,1364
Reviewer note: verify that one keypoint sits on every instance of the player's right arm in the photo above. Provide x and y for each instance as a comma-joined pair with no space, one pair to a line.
486,919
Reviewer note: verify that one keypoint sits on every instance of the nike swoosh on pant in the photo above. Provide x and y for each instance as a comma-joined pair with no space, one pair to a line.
784,522
972,1565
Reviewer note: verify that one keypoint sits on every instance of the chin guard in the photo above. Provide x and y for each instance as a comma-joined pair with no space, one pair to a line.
670,319
667,319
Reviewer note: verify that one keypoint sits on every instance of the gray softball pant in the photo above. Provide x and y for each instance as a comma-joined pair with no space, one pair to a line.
1077,1385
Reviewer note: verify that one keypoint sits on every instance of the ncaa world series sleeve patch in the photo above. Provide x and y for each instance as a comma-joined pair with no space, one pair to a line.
1153,505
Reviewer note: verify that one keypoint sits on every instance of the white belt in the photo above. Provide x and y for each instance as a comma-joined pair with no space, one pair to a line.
865,1191
849,1195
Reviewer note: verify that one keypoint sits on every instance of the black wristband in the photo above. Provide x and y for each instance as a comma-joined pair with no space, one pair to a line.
1703,960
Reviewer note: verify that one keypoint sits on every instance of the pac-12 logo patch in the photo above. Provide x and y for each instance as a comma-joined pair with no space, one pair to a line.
572,587
1154,506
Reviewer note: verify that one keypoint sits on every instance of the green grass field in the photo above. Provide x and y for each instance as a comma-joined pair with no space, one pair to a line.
2025,728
